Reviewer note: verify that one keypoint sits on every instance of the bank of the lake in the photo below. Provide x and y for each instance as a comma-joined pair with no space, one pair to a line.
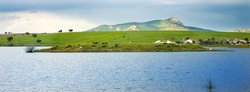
128,41
127,48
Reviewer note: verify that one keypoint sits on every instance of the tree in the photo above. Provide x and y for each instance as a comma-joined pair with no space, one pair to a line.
70,30
200,41
27,33
34,35
10,38
38,41
246,39
60,31
116,45
212,40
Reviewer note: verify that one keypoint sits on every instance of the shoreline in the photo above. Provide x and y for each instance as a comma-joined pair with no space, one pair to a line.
129,48
63,49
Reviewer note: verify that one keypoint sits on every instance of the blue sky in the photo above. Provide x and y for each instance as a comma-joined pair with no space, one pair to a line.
53,15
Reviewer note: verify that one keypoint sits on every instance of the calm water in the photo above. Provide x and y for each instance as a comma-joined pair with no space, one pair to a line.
123,72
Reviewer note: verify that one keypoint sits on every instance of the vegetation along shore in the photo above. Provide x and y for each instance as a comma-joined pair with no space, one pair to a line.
128,41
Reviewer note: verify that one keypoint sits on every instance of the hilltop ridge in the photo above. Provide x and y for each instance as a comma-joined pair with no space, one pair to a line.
173,24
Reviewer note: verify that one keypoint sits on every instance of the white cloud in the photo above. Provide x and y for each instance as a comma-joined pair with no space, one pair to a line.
19,22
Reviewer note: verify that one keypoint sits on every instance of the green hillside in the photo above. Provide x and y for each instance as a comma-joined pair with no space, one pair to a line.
171,24
128,37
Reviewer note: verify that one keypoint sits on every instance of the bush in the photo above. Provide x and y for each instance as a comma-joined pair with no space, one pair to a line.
104,46
27,33
60,31
246,39
70,30
10,38
69,46
34,35
38,41
116,45
104,43
95,42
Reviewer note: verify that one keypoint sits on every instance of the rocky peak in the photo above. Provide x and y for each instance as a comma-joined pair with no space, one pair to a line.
174,20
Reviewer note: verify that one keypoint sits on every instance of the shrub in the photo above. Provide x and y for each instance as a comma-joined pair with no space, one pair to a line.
60,31
70,30
10,38
104,46
104,43
246,39
69,46
95,42
34,35
38,41
27,33
116,45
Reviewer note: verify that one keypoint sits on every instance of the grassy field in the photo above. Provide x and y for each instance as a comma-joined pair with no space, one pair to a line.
123,38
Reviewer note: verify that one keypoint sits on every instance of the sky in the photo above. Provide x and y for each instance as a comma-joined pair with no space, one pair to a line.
40,16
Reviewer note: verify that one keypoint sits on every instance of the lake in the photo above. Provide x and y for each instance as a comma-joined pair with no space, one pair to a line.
124,72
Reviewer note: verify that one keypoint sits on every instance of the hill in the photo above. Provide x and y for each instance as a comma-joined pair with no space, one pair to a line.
171,24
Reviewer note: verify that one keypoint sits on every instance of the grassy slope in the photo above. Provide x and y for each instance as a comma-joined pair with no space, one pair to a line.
142,37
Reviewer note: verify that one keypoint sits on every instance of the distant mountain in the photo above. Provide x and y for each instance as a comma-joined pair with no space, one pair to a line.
242,30
167,24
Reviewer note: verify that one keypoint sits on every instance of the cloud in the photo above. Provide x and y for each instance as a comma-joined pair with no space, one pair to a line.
54,5
211,14
39,22
218,17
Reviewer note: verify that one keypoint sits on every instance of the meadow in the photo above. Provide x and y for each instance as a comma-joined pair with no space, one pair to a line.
129,41
128,37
